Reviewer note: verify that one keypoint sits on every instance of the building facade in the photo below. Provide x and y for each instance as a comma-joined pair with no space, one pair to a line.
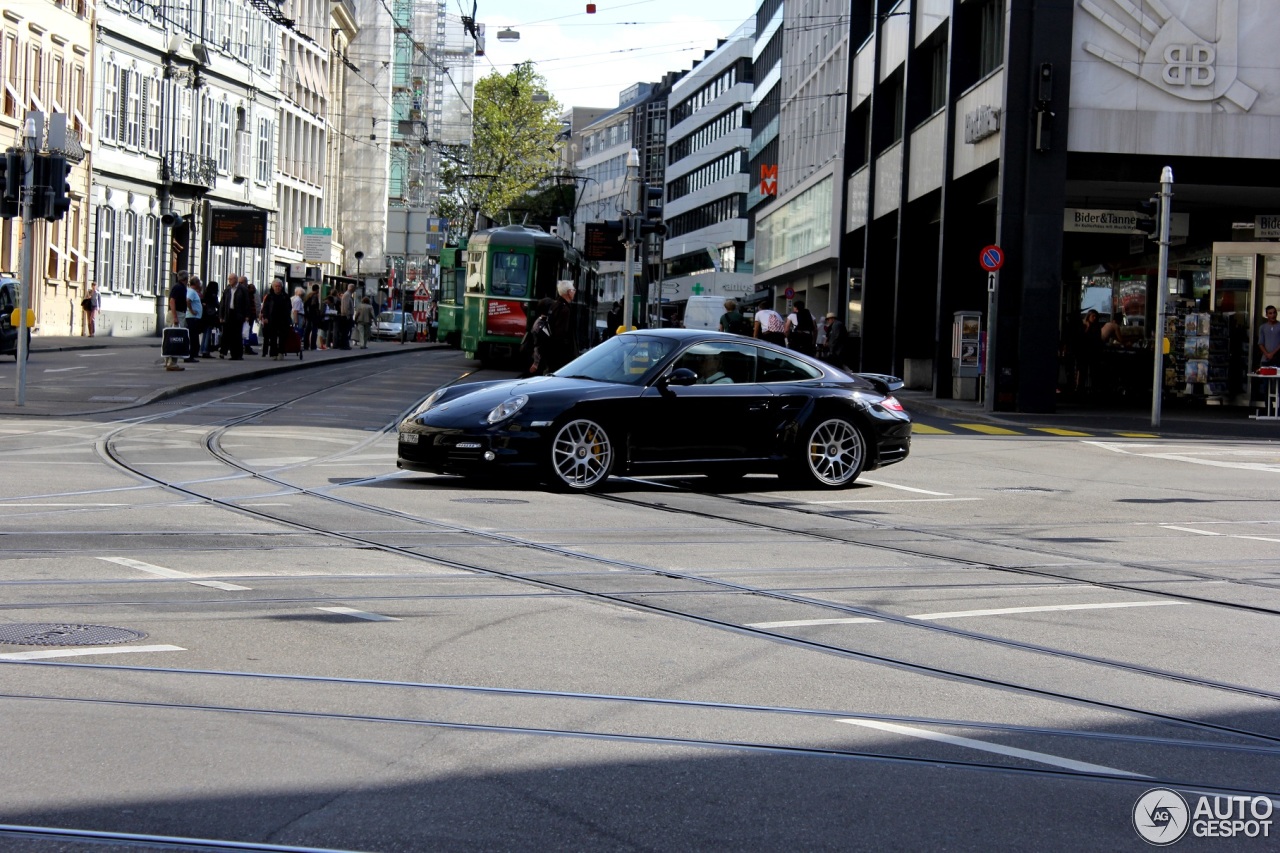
1040,128
46,65
708,141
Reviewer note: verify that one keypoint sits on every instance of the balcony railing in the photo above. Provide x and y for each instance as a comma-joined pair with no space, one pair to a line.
192,170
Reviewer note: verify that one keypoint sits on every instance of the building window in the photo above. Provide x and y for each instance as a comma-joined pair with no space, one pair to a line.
131,89
264,151
147,255
938,78
224,137
991,37
105,262
126,234
110,102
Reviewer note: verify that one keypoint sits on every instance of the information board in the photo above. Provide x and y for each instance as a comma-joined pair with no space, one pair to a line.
603,244
238,227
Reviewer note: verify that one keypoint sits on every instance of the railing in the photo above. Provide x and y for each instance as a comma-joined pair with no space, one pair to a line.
179,167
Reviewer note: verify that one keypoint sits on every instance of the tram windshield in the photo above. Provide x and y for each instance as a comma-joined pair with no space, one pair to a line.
628,359
510,275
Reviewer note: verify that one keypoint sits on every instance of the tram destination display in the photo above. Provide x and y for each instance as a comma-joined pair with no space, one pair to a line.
231,227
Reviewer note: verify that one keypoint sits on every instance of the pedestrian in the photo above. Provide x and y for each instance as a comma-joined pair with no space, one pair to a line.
534,345
177,313
235,310
837,341
210,321
255,310
276,319
330,324
801,330
90,305
1269,338
613,320
312,314
297,311
346,316
561,349
732,320
364,320
1088,347
769,325
195,317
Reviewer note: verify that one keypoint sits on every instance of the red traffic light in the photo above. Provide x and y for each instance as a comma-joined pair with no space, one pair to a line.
591,8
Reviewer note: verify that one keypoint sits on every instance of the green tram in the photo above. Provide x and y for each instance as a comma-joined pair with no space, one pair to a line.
453,282
501,276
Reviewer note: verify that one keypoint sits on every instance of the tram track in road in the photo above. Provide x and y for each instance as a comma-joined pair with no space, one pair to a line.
210,445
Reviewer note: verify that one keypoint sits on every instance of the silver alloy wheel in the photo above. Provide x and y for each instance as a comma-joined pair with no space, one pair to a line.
835,452
582,454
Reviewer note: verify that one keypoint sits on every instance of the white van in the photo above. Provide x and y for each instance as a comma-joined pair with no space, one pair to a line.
704,312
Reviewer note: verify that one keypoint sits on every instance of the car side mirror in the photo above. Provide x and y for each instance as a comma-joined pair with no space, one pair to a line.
680,377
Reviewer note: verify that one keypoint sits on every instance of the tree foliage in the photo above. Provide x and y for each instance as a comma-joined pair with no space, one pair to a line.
513,147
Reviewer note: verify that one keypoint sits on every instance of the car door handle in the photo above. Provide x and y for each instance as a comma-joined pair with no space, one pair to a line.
762,406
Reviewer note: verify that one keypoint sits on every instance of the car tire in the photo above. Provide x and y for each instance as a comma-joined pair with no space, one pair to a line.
832,454
581,455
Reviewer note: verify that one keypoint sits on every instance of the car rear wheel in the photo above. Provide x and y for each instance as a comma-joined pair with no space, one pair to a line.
834,454
581,455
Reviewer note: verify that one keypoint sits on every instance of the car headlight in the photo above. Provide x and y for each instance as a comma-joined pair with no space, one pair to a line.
507,408
429,402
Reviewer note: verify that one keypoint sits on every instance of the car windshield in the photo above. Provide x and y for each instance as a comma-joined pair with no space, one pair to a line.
389,317
629,359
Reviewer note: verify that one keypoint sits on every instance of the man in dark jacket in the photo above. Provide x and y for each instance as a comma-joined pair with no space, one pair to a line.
563,345
837,341
235,309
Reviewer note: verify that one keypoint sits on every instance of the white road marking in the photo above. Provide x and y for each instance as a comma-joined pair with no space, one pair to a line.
89,650
265,504
802,622
897,501
6,505
962,614
903,488
998,749
96,354
63,369
170,573
359,614
1193,460
1214,533
1190,530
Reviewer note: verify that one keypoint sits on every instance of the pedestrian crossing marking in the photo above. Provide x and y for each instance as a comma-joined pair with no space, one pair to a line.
921,429
1067,432
987,429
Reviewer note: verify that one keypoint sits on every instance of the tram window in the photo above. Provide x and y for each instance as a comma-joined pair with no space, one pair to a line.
510,275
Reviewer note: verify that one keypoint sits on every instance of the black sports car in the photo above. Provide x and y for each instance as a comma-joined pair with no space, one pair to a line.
662,402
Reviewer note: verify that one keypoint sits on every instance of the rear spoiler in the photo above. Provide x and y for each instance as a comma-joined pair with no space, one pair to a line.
883,382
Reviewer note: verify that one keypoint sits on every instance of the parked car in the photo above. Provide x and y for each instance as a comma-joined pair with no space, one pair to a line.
8,331
392,325
661,402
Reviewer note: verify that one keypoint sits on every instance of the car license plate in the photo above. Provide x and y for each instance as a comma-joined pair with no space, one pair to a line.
409,437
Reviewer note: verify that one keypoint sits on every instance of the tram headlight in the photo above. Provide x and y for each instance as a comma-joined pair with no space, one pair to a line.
507,408
429,402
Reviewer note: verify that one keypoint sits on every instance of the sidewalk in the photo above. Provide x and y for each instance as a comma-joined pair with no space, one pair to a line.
1177,418
71,376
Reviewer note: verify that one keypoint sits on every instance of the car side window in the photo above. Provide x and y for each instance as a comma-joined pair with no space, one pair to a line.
719,363
6,299
776,367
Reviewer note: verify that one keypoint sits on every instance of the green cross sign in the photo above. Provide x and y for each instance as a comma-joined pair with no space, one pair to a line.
697,288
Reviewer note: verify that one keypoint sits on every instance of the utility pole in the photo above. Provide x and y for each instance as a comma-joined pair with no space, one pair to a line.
30,143
1162,285
629,283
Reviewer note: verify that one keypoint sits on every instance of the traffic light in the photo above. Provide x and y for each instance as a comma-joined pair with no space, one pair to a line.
1148,220
621,226
651,221
42,187
59,173
10,184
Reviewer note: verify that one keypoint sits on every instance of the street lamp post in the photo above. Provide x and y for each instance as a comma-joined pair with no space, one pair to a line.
359,258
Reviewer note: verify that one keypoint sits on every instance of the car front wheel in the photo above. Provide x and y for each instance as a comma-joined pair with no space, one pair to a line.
581,455
834,454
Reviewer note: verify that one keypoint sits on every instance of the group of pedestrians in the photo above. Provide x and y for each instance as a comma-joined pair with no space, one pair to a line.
798,330
222,319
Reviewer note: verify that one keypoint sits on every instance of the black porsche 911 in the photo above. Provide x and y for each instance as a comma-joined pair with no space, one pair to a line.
670,401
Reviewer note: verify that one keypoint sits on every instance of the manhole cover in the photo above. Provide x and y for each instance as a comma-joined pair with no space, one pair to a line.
1028,489
54,634
488,501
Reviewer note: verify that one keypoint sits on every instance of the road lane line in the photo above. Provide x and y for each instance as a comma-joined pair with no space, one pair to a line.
895,501
960,614
1001,611
1191,530
903,488
998,749
63,369
171,573
797,623
90,650
359,614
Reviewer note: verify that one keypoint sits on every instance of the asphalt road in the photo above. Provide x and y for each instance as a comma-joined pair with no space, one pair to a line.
1002,643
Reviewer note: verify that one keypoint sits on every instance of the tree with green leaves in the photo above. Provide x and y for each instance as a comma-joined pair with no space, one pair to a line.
512,153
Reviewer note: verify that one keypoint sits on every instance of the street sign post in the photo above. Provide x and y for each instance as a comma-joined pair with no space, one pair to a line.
991,259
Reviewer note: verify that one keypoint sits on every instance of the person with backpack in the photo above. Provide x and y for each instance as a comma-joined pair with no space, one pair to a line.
732,320
801,330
